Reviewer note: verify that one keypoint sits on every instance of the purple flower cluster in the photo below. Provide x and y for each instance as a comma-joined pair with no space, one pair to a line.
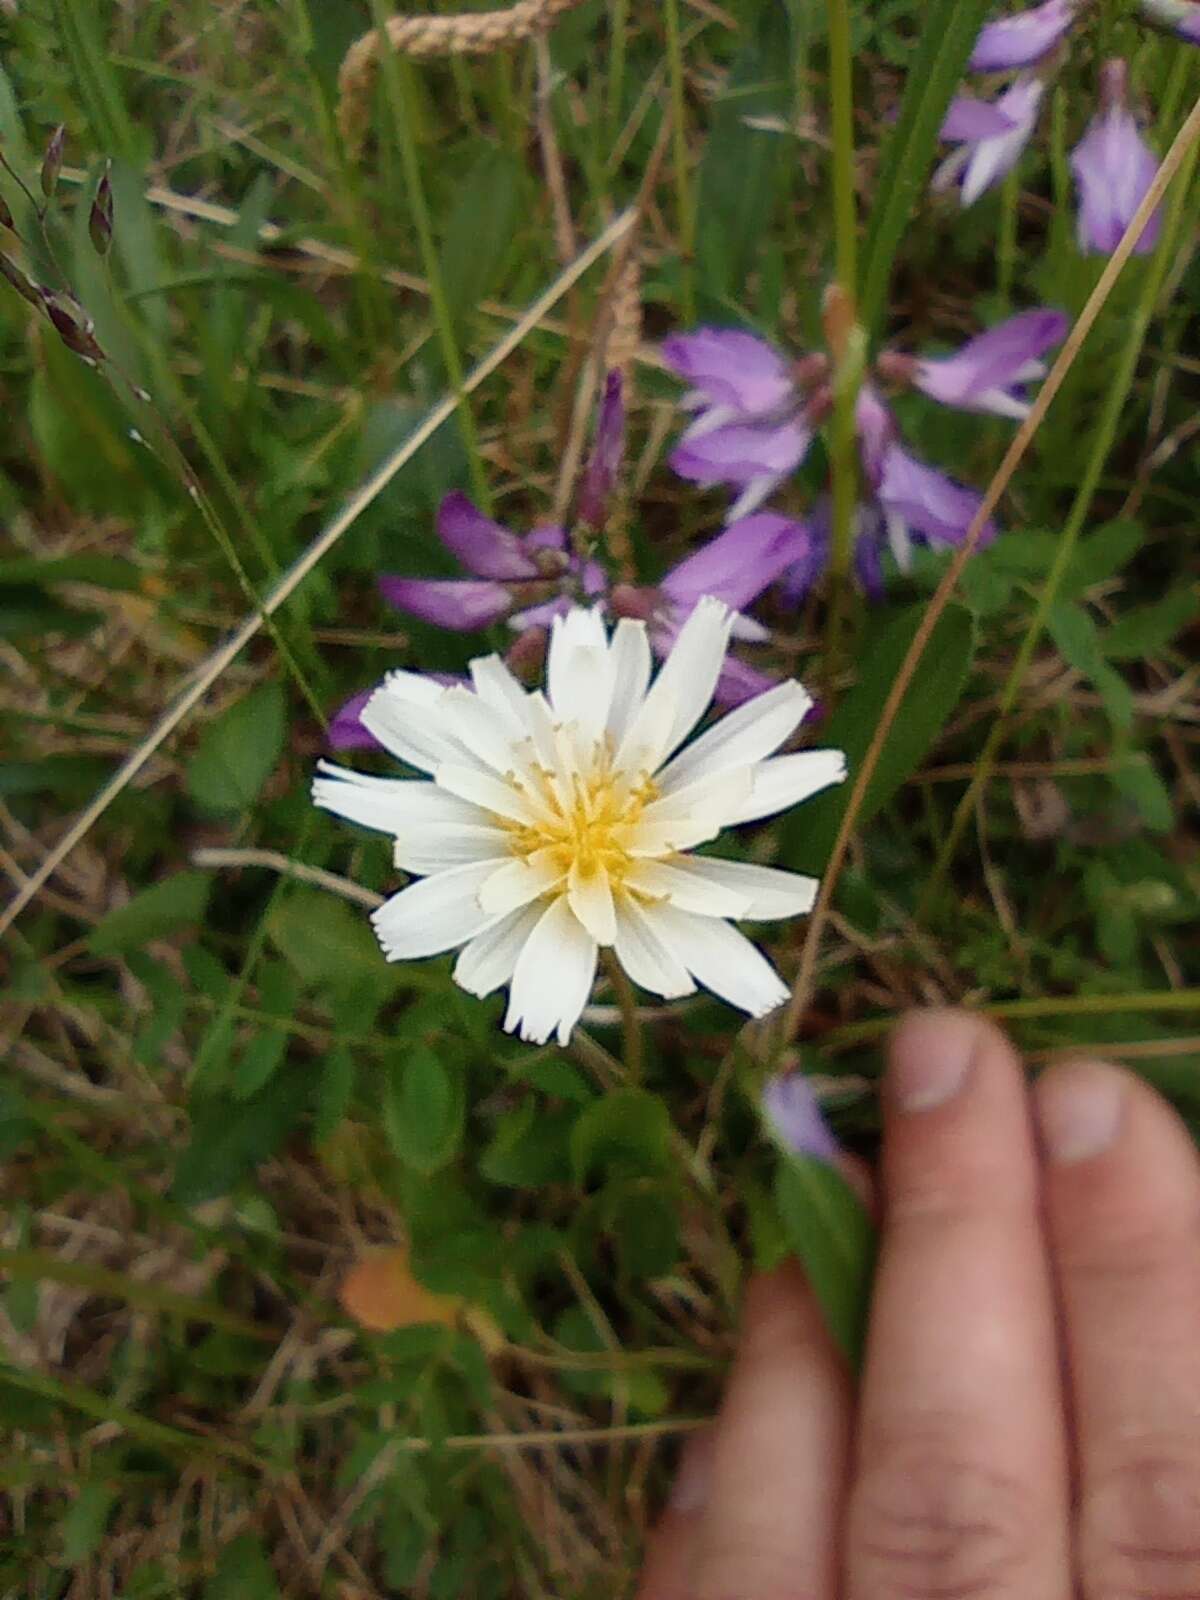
755,416
1113,165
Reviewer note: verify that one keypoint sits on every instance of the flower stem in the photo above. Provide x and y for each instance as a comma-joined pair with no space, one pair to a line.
1102,441
683,183
1006,244
399,87
631,1027
843,334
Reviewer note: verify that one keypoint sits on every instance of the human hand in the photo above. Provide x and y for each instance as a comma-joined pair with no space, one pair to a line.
1028,1425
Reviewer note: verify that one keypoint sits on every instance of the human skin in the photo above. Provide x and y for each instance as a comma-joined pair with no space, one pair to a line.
1027,1426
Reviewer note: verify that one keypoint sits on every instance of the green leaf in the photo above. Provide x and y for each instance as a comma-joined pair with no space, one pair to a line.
949,29
1139,783
84,1524
238,752
326,940
423,1110
29,612
529,1147
1145,630
479,233
243,1573
1078,641
231,1137
105,572
177,902
829,1229
937,684
258,1062
628,1132
1100,555
334,1093
62,775
739,170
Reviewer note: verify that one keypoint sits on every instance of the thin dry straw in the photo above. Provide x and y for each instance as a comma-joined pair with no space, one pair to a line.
1172,161
299,570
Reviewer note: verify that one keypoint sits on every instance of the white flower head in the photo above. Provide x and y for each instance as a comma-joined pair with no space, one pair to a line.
555,824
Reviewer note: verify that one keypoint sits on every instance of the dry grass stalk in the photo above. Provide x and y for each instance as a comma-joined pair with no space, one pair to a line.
429,38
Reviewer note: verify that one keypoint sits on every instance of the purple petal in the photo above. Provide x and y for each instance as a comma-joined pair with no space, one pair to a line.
739,454
992,361
600,474
460,603
970,120
540,616
991,159
868,563
1021,40
547,537
483,546
740,563
738,682
730,368
811,560
794,1116
1113,167
876,430
930,503
346,731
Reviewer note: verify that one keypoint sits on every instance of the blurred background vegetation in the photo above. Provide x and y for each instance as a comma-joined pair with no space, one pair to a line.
215,1097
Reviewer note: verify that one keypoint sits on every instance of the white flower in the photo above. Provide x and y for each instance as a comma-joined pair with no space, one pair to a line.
556,824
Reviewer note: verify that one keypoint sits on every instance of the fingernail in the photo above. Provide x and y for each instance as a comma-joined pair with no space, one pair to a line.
931,1060
1079,1110
689,1492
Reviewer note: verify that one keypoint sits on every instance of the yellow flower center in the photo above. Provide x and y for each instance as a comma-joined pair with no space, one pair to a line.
589,824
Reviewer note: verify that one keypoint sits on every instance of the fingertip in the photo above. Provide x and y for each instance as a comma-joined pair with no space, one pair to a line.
932,1054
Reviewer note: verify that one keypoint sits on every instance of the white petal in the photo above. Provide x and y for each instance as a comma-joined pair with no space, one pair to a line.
516,883
553,976
583,692
685,682
579,631
630,652
656,839
753,495
745,736
899,539
496,686
433,915
676,883
1002,404
720,958
770,893
402,715
490,793
479,729
389,804
645,957
490,958
436,846
590,897
786,780
713,800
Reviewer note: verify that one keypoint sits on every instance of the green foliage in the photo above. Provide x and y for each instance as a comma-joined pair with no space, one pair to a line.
422,1109
828,1228
238,752
176,902
932,695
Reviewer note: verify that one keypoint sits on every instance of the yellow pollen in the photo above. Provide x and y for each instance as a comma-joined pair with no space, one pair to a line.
590,827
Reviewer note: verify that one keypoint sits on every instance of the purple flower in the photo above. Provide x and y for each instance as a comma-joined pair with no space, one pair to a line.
1021,40
990,371
735,567
1114,167
527,578
984,158
1180,16
751,428
346,731
608,448
793,1116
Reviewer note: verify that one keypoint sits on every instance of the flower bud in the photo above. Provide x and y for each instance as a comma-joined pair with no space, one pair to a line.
100,218
52,161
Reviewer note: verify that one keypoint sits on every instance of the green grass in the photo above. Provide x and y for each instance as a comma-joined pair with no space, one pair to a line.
215,1096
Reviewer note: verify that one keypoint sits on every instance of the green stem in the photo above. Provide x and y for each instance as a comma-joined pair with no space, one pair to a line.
1006,244
1102,443
618,31
846,340
631,1027
683,183
1078,1005
399,88
841,121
